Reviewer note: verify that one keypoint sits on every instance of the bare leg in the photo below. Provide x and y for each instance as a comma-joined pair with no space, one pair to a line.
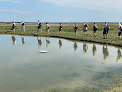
48,31
41,30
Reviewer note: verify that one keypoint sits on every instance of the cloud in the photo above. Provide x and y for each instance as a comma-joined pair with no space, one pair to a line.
16,11
90,4
14,1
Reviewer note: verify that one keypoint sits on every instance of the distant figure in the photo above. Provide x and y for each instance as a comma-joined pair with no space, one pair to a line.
39,42
39,26
47,27
94,29
75,46
119,56
75,28
94,49
13,40
85,28
105,30
60,43
105,52
22,26
85,48
120,30
13,26
48,42
60,28
23,40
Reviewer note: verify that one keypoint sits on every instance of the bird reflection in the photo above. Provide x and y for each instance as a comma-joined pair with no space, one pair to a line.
75,46
23,40
85,48
13,40
119,55
39,42
94,49
105,52
60,43
48,42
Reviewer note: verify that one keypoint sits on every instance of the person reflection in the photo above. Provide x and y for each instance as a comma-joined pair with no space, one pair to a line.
94,49
119,55
85,48
13,40
105,52
48,42
23,40
60,43
75,46
39,42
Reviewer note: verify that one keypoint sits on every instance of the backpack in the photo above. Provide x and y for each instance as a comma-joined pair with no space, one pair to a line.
108,27
121,29
76,27
85,25
61,26
95,26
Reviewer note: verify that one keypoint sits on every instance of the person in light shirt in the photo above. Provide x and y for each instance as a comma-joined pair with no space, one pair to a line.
120,30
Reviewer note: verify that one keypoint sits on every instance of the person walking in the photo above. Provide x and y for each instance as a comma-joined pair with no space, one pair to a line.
13,26
22,26
47,27
94,28
75,28
105,30
85,28
60,28
39,26
120,30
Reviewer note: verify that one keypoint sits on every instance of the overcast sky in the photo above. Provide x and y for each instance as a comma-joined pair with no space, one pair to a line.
61,10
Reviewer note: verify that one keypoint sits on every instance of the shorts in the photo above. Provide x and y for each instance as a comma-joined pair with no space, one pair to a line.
23,27
12,28
75,30
85,30
119,33
39,27
95,29
105,31
59,29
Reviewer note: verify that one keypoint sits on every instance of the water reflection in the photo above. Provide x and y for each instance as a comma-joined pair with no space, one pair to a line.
23,40
75,46
94,49
48,42
119,56
60,43
105,52
39,42
85,48
13,40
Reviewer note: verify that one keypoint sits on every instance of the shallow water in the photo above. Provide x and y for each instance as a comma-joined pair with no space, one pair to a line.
69,66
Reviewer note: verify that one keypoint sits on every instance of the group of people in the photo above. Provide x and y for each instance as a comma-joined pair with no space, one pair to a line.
85,28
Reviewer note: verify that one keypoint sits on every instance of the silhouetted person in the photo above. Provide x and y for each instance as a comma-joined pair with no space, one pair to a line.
94,49
39,42
105,52
119,55
23,40
13,40
75,46
48,42
85,48
60,43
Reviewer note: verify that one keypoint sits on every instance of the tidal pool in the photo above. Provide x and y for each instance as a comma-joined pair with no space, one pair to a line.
69,66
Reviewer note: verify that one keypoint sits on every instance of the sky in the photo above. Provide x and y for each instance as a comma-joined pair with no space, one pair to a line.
60,10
